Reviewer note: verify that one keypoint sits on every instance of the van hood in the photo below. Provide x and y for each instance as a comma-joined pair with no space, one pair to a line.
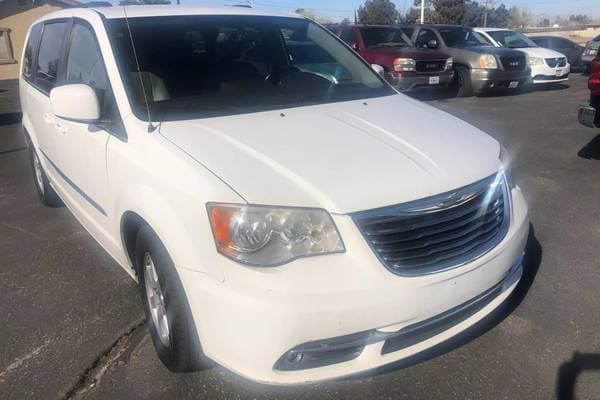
541,52
343,157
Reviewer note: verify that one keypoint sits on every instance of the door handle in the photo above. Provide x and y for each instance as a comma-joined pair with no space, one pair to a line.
61,128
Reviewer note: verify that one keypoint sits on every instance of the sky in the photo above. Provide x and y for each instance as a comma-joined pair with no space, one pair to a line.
338,9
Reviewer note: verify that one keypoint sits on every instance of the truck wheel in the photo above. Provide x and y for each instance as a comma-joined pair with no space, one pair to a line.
46,193
168,315
463,82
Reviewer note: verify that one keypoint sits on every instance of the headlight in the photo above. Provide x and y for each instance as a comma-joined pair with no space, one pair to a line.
267,236
506,166
449,62
404,64
536,61
488,61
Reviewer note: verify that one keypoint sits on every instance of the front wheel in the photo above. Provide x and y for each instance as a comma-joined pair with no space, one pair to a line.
168,315
463,83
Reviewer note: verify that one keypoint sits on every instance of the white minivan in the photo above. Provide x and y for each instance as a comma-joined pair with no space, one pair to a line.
286,212
547,65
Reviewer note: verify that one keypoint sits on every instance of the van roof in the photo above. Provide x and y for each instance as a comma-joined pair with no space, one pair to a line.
173,10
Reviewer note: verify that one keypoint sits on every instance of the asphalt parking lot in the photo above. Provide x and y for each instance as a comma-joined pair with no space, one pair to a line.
72,325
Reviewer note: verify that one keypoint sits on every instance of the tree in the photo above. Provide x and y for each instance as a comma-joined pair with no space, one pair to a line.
579,19
448,11
518,18
544,23
345,21
374,12
313,15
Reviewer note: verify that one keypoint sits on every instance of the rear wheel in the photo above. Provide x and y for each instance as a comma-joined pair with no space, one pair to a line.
463,83
45,191
167,311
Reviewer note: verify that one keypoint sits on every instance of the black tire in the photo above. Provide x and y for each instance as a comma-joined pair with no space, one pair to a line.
463,83
182,352
45,191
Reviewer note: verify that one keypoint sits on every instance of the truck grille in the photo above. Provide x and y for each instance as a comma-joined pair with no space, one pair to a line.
431,66
516,63
439,232
556,62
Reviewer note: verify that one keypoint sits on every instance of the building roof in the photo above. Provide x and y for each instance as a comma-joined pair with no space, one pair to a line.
172,10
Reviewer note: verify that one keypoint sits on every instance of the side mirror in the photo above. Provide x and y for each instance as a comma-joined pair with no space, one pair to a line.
379,69
353,45
432,44
76,102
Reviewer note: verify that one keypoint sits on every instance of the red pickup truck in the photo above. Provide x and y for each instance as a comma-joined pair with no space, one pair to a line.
589,113
406,67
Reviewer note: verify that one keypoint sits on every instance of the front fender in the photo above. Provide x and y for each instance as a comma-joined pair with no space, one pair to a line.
185,244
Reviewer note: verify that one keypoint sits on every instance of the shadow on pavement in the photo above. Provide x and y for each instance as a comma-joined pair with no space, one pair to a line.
10,118
591,151
531,265
570,370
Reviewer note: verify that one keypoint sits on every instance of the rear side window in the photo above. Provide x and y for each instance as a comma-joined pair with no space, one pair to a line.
53,36
32,44
542,42
349,36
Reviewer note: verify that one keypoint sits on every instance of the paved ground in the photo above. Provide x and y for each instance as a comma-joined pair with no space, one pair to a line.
71,324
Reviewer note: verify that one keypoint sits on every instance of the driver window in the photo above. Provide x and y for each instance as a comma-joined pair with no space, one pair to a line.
424,36
85,65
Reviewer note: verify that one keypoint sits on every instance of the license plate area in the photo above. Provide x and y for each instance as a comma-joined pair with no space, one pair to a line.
513,85
434,80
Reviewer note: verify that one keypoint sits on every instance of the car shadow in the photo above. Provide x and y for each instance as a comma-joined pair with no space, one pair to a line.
570,370
591,151
10,118
531,265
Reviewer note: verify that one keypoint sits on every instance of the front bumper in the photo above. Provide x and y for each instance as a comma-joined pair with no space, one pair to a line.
248,322
484,80
415,81
541,74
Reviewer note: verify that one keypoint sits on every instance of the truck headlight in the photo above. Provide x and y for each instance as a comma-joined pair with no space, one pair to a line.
404,64
536,61
488,61
265,236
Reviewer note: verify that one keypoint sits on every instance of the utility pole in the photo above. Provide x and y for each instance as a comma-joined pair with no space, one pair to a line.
485,14
422,12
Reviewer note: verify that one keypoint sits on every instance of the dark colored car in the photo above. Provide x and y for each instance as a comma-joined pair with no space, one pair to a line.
572,50
479,67
591,51
406,67
589,113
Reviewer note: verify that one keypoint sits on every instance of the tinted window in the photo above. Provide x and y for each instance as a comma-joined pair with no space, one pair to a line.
384,37
596,39
462,37
85,65
200,66
424,36
408,31
53,36
542,42
349,36
512,39
562,43
32,43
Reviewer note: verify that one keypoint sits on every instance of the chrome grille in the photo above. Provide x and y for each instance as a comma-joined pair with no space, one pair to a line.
515,63
556,62
438,232
431,65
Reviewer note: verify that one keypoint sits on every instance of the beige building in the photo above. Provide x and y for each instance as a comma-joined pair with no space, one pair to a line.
15,18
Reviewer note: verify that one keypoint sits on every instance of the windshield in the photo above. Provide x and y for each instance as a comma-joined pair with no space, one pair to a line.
512,39
462,37
385,37
202,66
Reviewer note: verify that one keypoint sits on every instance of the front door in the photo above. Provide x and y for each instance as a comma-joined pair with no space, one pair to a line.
81,147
